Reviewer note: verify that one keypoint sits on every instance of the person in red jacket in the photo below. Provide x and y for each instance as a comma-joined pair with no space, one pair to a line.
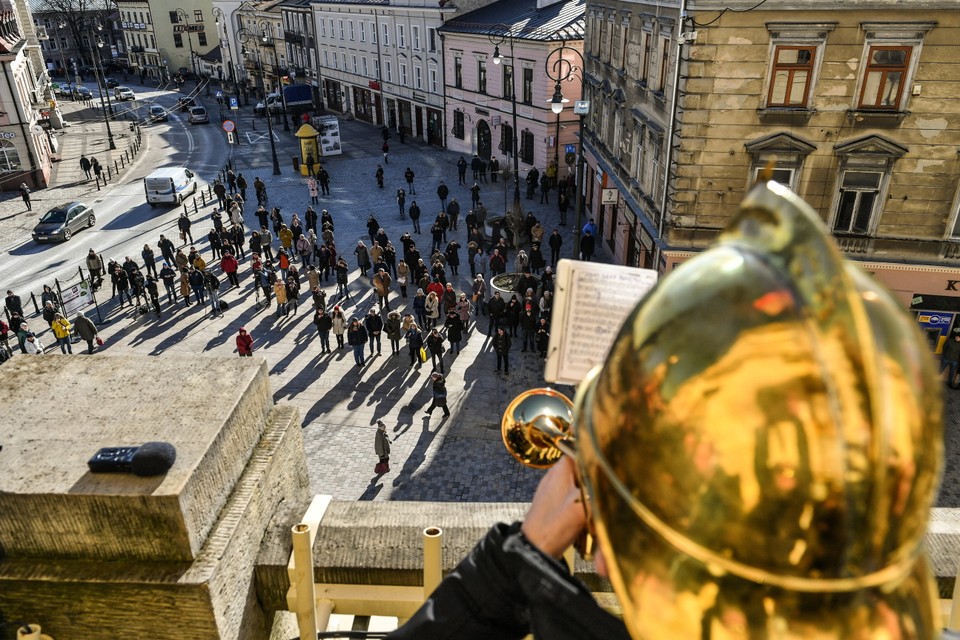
244,343
230,265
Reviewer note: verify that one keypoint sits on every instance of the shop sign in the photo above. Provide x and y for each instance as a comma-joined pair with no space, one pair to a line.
7,135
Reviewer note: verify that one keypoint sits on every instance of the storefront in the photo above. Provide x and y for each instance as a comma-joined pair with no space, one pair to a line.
434,127
333,95
365,105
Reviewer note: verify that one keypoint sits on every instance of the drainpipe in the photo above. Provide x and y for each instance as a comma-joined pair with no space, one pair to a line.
383,101
671,129
11,86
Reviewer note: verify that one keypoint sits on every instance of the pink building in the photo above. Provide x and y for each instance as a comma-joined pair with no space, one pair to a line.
479,86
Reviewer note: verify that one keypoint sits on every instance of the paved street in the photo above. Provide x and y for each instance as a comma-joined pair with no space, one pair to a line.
460,458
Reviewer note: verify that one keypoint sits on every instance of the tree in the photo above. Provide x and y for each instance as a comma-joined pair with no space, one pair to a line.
81,17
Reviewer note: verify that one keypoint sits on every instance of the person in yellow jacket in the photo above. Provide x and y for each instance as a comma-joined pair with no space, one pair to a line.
280,291
286,237
199,263
61,330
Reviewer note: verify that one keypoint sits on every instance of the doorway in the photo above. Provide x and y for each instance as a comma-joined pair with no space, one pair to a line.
484,142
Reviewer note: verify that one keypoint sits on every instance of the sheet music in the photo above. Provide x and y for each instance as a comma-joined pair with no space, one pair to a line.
591,301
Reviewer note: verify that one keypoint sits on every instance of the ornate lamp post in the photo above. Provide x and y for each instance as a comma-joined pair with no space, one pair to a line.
245,36
95,28
222,23
515,215
560,69
185,18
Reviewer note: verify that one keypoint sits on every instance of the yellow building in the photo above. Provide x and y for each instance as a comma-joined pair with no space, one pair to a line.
165,36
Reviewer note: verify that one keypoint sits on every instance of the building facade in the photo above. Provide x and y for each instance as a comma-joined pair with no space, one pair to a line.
301,42
262,46
164,38
26,149
67,48
483,90
383,63
143,53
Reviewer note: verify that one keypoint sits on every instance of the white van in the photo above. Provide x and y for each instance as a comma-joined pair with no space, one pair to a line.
169,185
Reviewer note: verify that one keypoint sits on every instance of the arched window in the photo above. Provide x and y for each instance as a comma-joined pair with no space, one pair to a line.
9,158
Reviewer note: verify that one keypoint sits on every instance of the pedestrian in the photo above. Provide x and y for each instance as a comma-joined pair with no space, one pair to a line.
184,224
408,175
363,257
381,446
61,331
242,186
13,303
323,323
496,309
461,171
292,288
420,308
950,359
97,169
403,277
343,272
310,217
454,330
532,180
555,241
386,152
229,266
310,161
312,190
357,339
431,307
442,193
494,169
464,309
221,192
338,322
401,202
280,293
185,287
25,194
543,338
384,133
85,166
86,330
453,213
261,191
414,341
244,343
231,181
545,185
373,323
439,392
587,244
435,348
501,346
392,329
323,177
167,275
402,132
479,295
379,175
32,345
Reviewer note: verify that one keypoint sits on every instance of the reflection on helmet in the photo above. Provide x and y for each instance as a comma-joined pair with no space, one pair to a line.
763,444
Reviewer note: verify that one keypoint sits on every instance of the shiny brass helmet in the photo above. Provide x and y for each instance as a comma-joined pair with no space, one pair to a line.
763,444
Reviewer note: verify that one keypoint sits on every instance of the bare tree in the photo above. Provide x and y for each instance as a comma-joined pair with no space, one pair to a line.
81,18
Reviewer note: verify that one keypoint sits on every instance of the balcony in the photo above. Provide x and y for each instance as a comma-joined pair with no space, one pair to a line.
136,49
293,37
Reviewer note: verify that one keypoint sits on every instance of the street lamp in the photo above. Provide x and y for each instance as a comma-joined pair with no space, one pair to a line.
182,15
244,36
563,70
95,27
221,21
269,41
498,38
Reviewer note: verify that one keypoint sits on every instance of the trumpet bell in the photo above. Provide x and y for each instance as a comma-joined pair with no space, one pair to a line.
534,424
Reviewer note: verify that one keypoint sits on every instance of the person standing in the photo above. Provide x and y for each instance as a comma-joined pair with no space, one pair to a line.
363,257
324,324
555,241
950,359
339,324
455,330
381,446
312,190
84,327
85,166
392,328
436,349
381,283
280,293
373,323
414,344
242,186
244,343
357,339
184,224
453,213
439,395
95,267
408,175
462,171
167,275
496,308
401,201
386,152
501,346
229,265
587,245
442,193
323,176
25,194
61,331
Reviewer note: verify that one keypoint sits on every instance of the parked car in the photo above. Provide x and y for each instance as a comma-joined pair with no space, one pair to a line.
157,113
82,92
273,103
198,115
111,83
124,93
60,223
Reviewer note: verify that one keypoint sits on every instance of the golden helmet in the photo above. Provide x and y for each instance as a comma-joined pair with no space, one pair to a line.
763,444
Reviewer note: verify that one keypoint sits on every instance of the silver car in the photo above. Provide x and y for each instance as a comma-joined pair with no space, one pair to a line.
60,223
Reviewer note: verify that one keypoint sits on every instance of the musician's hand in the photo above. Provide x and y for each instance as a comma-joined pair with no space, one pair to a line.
556,516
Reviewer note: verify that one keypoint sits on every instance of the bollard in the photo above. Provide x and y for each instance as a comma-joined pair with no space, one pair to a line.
432,559
33,299
184,207
253,125
123,162
116,168
203,198
108,174
126,152
194,205
98,183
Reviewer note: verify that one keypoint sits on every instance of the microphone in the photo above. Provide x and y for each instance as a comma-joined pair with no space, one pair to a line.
149,459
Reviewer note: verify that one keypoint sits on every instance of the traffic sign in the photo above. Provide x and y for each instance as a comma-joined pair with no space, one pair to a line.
234,104
219,94
229,137
229,126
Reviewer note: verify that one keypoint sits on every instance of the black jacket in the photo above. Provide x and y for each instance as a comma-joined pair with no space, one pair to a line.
505,589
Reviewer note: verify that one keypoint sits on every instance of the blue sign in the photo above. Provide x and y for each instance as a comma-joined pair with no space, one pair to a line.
570,148
234,105
219,94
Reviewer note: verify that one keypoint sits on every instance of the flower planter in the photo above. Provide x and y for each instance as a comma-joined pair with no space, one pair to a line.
506,284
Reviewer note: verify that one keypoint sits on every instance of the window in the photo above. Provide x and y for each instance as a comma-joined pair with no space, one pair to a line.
508,81
385,28
198,15
376,68
527,86
202,38
403,73
373,33
458,128
350,27
178,40
387,71
664,60
401,36
786,152
617,132
506,140
859,193
415,37
645,58
363,31
885,73
636,169
432,40
656,166
340,29
526,146
366,70
356,68
458,72
326,60
482,76
9,157
323,28
434,80
174,17
418,77
624,42
791,76
333,34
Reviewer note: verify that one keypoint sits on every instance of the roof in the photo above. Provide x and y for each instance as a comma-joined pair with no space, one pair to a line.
373,2
522,19
214,55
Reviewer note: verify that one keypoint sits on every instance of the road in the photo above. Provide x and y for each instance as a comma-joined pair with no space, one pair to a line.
124,221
